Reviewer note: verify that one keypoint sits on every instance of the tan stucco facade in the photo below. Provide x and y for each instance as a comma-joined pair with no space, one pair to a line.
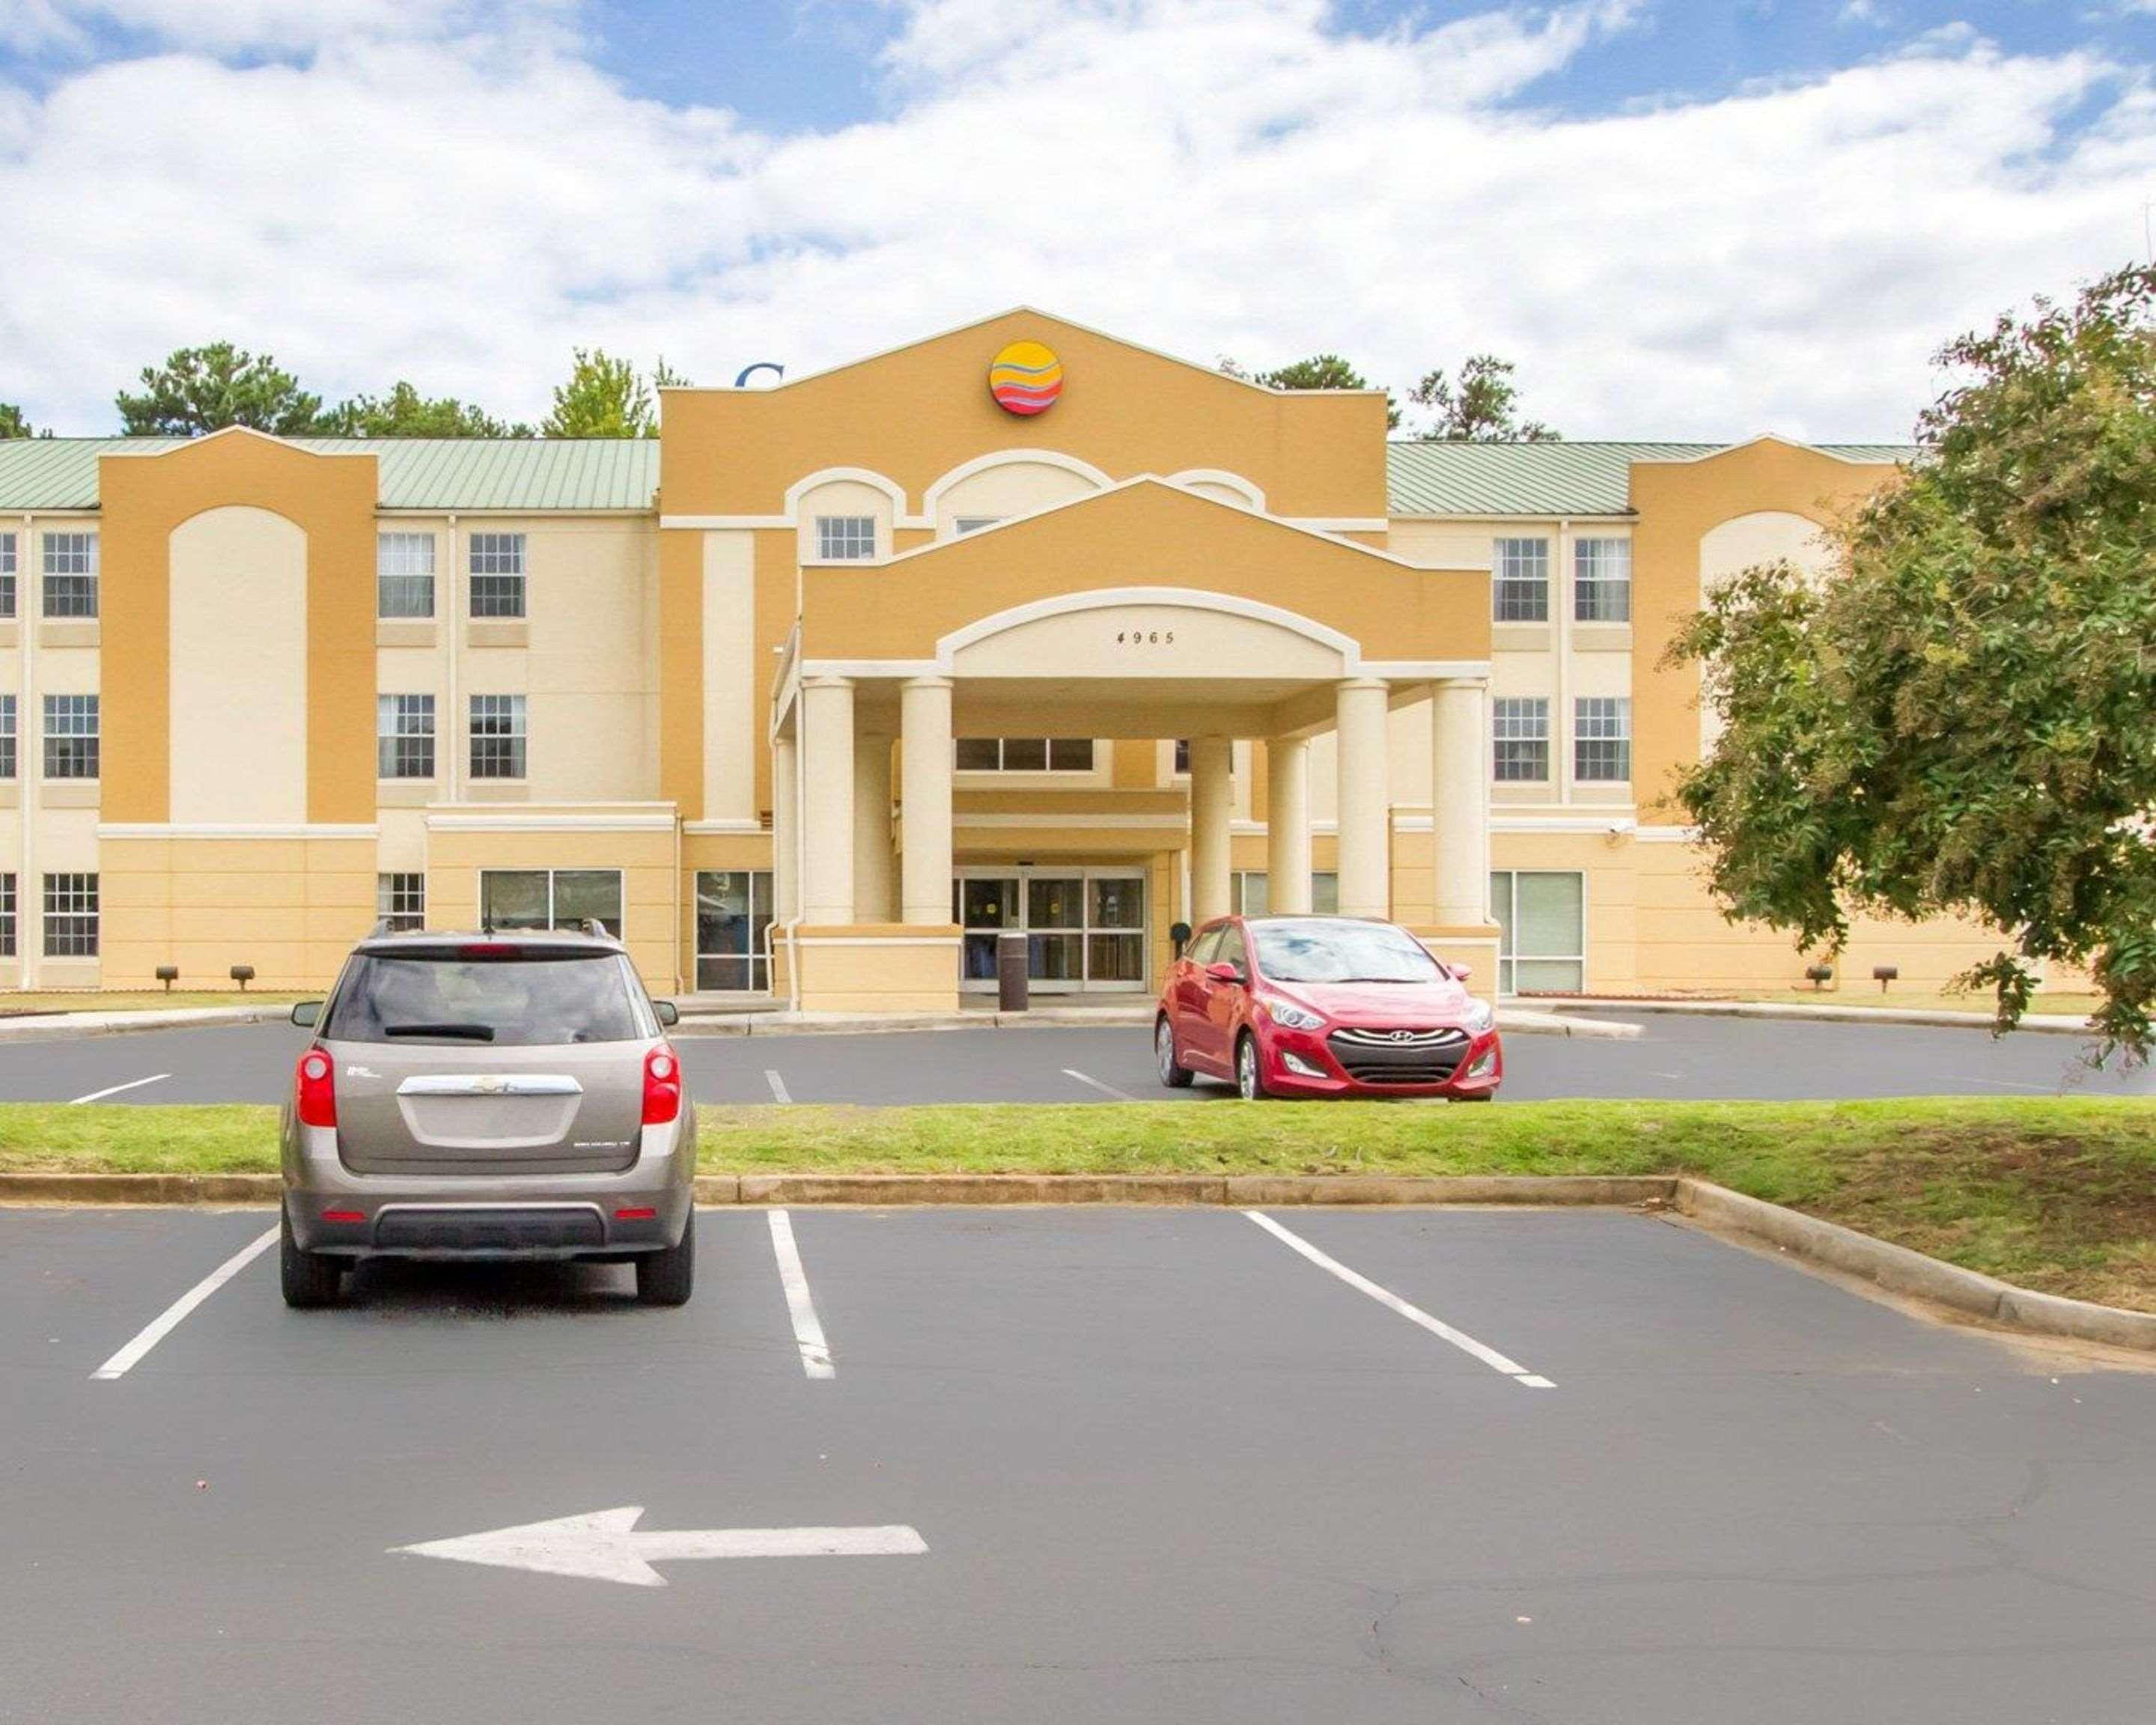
879,670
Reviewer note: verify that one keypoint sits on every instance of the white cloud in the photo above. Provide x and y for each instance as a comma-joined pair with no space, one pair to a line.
458,198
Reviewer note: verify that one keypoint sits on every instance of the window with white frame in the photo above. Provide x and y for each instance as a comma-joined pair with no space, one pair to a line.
6,736
71,738
1251,893
550,898
973,523
733,910
7,915
497,737
1542,930
1519,731
1602,581
404,735
1601,740
70,916
497,575
70,574
1519,582
7,574
404,574
845,538
1025,754
400,901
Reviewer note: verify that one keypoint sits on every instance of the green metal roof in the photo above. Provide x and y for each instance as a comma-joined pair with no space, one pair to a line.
569,474
1546,479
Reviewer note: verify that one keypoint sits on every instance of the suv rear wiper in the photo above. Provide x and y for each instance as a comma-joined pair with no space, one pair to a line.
469,1032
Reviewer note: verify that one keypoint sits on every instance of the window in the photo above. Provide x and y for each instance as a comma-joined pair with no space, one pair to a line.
7,915
497,575
404,735
519,1001
1182,754
1602,581
1520,730
1601,740
1250,894
7,574
70,916
6,736
497,737
550,898
70,736
1025,754
1541,932
733,910
973,523
845,538
404,574
1520,580
70,572
400,901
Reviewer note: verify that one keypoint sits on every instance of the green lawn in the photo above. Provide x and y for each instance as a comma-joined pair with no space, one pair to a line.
2058,1194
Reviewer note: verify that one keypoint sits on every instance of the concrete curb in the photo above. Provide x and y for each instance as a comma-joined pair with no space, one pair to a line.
51,1026
2047,1024
1513,1021
1902,1271
1897,1269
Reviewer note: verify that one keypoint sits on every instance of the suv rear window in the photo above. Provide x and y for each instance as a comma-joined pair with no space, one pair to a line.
511,1001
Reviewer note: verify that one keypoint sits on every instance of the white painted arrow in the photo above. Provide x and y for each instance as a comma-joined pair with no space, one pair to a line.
605,1546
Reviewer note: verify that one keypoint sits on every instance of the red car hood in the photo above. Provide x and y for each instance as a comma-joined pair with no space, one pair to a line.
1413,1003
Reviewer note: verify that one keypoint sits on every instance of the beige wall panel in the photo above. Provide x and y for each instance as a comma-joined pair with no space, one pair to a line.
1451,545
403,848
731,736
238,590
1008,489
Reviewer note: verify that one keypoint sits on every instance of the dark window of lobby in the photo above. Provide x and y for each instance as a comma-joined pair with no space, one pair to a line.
550,898
733,910
1025,754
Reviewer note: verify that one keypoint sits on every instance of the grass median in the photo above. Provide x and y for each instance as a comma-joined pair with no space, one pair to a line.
2054,1194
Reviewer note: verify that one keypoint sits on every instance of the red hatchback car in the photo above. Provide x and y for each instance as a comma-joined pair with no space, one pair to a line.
1323,1006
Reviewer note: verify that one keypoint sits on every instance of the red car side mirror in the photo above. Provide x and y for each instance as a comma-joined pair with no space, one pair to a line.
1224,972
1460,973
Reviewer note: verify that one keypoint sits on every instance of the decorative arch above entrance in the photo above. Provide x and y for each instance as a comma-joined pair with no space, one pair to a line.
1148,632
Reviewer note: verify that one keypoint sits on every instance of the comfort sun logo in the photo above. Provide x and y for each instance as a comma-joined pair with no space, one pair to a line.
1025,378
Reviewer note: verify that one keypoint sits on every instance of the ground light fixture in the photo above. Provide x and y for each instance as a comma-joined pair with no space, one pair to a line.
168,974
1818,975
243,974
1883,974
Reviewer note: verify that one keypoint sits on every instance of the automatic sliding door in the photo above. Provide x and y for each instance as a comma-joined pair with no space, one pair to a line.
1115,932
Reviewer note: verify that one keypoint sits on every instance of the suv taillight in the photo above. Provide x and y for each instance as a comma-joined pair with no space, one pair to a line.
316,1094
662,1086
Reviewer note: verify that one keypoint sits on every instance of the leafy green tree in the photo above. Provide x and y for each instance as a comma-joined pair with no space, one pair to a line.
604,397
406,413
1483,408
13,423
1962,716
1320,371
203,389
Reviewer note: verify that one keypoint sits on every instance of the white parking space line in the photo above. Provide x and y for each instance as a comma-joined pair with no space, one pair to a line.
1106,1089
168,1320
113,1089
807,1330
778,1092
1414,1314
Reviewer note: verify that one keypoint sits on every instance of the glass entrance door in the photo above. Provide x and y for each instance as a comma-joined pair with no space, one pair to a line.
1085,928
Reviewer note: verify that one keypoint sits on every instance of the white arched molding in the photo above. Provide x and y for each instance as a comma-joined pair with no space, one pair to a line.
853,475
1191,478
931,500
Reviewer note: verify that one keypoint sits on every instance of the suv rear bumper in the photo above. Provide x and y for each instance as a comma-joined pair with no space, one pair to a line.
644,1208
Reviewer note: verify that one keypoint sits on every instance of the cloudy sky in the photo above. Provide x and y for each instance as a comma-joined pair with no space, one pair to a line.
1681,218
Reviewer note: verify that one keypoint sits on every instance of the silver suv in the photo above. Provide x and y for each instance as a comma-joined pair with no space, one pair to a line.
488,1096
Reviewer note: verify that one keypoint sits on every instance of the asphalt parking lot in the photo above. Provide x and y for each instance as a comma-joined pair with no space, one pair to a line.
1111,1465
1677,1057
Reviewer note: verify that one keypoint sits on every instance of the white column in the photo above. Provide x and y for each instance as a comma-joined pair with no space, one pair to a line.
1212,808
785,889
1460,802
1288,825
1365,803
827,800
872,863
925,748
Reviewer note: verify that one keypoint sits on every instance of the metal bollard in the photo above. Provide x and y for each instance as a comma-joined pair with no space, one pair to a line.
1013,989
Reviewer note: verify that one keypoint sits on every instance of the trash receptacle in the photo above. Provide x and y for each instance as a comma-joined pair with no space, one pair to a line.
1011,988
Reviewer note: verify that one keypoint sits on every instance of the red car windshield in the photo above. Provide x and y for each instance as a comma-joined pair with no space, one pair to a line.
1343,951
